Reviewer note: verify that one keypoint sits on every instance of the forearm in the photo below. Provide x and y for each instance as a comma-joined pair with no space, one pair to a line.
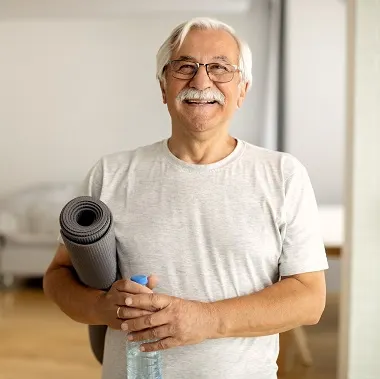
74,299
278,308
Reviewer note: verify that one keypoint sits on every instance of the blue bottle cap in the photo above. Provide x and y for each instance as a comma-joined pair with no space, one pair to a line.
140,279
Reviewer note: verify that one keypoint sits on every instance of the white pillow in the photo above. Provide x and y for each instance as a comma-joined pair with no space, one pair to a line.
44,218
8,223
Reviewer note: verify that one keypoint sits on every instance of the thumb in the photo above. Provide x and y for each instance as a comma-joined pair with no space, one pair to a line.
152,281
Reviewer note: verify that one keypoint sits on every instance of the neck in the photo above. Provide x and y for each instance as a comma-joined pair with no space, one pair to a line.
203,148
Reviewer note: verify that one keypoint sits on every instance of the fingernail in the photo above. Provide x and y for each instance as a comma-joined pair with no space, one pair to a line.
128,301
142,348
124,326
130,337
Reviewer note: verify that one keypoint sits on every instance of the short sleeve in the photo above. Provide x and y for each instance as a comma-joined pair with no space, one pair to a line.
91,185
303,248
93,181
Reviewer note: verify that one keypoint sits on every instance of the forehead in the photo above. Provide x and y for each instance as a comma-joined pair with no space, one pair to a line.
205,45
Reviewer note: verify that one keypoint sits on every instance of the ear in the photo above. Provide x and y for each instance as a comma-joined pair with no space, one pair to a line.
243,91
163,91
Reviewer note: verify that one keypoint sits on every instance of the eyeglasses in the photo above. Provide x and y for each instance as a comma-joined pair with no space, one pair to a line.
217,72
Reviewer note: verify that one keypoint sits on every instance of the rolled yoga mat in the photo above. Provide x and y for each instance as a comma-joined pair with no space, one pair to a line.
89,236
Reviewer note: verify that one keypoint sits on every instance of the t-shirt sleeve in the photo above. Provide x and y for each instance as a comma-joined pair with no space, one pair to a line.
93,181
91,185
303,248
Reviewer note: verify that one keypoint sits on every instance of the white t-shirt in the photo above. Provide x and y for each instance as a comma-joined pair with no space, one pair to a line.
209,232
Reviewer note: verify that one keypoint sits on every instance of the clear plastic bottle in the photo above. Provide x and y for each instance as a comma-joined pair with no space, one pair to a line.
142,365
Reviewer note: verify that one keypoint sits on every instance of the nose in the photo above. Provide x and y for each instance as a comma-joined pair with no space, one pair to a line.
201,80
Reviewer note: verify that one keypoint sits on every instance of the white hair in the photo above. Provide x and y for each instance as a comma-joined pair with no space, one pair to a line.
178,35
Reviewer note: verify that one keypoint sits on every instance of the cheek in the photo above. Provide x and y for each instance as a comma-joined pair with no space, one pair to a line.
171,97
173,88
232,99
231,94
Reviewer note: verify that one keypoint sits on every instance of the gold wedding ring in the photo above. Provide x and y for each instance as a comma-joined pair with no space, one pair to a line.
117,312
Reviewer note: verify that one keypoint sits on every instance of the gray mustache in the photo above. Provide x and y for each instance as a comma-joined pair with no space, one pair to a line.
205,95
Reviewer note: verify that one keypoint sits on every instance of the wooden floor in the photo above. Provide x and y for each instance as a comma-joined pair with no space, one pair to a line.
39,342
323,341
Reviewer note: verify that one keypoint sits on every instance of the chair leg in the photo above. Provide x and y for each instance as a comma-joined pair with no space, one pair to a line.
300,338
285,359
7,280
7,302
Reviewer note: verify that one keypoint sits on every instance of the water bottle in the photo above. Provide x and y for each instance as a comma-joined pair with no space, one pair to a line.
142,365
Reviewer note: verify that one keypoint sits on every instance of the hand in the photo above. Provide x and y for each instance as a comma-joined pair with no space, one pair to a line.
173,321
106,307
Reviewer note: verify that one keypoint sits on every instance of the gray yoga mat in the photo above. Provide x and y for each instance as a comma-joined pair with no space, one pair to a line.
88,233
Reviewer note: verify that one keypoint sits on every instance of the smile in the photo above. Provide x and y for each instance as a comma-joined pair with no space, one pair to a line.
200,102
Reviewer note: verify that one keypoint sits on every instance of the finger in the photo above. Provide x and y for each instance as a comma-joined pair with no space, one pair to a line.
163,344
116,324
120,298
144,322
159,332
126,285
152,281
150,302
127,313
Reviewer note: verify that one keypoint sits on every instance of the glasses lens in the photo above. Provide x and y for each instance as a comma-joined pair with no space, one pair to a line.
183,69
217,72
220,72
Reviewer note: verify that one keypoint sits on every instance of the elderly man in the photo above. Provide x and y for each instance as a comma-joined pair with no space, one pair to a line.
229,229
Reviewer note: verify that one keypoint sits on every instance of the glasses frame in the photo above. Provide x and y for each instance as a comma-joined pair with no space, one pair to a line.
236,69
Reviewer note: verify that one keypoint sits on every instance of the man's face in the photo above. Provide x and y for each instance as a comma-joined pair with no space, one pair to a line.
204,46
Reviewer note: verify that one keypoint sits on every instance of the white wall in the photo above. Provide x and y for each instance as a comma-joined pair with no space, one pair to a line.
73,90
315,99
360,322
315,95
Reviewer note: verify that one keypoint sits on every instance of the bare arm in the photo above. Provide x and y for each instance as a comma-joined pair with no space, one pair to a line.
87,305
294,301
63,287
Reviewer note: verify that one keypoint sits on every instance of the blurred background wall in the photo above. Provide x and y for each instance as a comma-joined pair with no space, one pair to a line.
75,89
315,99
316,92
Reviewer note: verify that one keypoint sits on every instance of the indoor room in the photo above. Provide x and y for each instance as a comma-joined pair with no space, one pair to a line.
239,177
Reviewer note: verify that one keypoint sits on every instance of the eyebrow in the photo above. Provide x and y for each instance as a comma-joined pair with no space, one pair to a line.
222,58
186,58
217,57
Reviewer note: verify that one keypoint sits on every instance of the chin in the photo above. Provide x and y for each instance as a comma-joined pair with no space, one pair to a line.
200,126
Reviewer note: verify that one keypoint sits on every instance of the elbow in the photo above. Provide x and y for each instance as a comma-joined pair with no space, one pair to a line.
312,297
314,319
315,311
